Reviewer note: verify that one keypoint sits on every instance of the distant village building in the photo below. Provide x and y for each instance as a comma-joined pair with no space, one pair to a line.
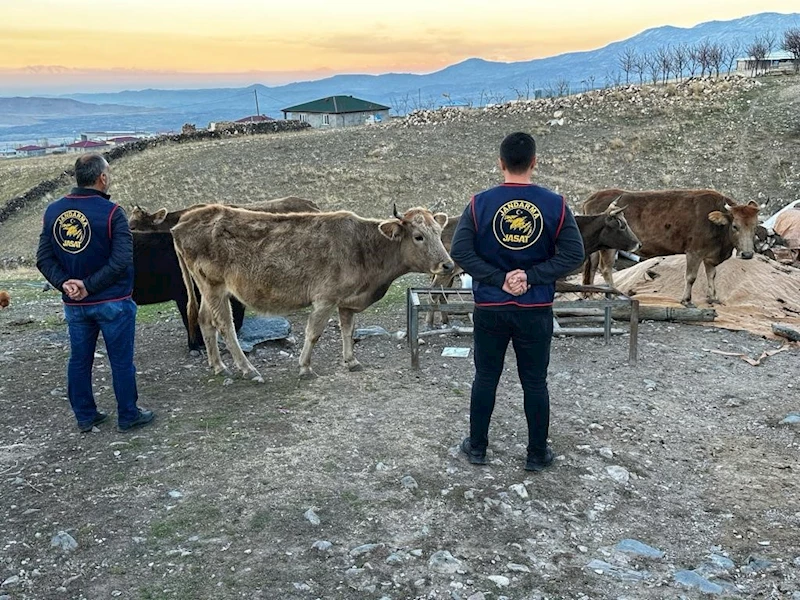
775,61
255,119
107,136
338,111
124,139
31,151
86,146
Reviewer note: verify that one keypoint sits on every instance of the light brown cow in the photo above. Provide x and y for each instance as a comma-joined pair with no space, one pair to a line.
703,224
283,262
163,220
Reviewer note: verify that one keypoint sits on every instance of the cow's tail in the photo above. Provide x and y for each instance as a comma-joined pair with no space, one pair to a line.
588,269
192,308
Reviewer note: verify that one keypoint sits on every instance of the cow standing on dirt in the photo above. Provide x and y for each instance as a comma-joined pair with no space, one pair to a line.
703,224
280,263
157,275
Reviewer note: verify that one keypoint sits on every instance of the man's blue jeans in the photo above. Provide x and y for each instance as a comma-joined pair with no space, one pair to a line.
530,331
117,321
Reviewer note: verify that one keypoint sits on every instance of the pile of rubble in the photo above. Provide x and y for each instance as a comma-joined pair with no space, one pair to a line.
617,99
778,237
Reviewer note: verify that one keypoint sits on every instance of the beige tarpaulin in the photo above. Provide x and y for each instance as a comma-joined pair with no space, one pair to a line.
755,293
787,225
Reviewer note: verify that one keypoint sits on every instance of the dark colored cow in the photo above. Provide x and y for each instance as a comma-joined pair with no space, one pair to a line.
703,224
157,278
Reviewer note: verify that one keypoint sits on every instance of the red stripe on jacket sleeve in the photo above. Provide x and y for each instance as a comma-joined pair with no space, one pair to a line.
563,215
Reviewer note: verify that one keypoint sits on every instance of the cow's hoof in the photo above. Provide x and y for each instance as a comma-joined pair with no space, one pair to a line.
308,375
355,367
195,353
688,303
257,378
714,301
223,371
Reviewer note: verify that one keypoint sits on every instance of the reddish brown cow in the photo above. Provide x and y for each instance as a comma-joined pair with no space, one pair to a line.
284,262
163,220
703,224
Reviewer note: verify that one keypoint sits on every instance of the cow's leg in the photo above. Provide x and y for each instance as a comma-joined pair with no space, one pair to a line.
223,321
692,266
711,276
314,328
607,266
347,323
205,319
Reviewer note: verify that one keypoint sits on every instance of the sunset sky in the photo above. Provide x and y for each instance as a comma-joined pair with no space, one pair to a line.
150,40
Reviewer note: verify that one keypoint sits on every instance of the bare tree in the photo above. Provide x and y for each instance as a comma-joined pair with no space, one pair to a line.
562,86
791,44
640,66
692,59
770,41
664,56
731,52
626,60
704,57
612,79
652,66
680,56
757,50
716,55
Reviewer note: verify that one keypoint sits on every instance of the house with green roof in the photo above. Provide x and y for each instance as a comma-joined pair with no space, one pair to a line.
338,111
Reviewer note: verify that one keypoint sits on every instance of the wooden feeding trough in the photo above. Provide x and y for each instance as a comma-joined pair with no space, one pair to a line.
571,317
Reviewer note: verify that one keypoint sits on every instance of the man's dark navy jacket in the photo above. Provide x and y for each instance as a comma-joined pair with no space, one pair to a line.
517,226
86,236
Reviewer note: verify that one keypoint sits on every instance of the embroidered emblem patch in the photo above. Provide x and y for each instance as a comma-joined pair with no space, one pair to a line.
72,231
518,224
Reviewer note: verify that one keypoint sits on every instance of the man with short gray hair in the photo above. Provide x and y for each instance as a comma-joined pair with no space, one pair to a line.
86,251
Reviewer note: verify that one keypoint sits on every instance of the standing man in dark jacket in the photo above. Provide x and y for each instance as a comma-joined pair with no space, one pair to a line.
515,240
86,251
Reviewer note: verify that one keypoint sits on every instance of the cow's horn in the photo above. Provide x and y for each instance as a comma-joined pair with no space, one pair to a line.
394,212
728,207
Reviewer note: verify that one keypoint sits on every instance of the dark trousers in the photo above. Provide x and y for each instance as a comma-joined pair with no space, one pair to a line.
530,332
117,321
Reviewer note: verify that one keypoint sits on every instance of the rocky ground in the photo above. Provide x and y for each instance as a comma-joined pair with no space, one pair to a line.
675,478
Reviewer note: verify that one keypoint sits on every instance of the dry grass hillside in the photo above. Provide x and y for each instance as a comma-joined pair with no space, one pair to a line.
740,137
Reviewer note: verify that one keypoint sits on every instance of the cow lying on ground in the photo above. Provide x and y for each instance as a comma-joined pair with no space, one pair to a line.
607,231
157,275
280,263
162,220
703,224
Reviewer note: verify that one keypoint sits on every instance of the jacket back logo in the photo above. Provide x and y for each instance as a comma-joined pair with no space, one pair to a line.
518,224
72,231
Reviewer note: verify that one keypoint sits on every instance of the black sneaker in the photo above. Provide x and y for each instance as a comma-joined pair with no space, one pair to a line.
145,417
540,463
476,457
86,426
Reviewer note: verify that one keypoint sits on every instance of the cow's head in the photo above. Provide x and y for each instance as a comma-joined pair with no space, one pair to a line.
141,220
419,233
741,222
616,232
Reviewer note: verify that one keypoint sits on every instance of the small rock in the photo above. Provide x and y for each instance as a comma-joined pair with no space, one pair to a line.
606,453
520,490
381,467
618,474
715,565
364,549
409,482
416,552
175,494
629,546
444,562
227,381
517,568
312,517
469,495
499,580
116,593
756,564
302,587
650,385
477,596
322,545
11,581
64,541
57,392
394,559
374,330
583,549
791,419
693,580
601,567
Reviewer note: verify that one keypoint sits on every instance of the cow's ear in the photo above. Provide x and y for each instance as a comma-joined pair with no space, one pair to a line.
159,216
718,218
392,229
441,219
753,203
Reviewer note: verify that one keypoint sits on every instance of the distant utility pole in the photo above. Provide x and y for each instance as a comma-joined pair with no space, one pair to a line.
255,93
